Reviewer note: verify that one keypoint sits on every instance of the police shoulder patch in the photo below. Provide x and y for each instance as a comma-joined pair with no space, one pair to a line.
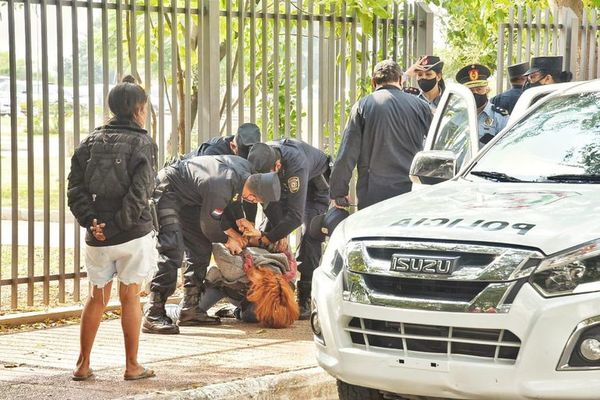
293,184
499,110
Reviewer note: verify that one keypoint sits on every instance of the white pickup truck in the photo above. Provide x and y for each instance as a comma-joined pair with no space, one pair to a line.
485,286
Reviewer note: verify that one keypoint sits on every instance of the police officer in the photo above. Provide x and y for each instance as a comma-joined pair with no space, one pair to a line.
430,79
384,132
233,145
302,171
491,119
199,202
546,70
508,99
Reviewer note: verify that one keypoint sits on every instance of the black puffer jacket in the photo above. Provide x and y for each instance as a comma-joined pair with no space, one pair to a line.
111,180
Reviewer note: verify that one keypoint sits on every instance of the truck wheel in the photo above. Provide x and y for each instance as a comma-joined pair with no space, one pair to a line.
347,391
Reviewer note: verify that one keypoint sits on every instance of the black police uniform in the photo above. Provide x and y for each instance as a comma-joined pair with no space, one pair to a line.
193,196
217,146
384,132
304,195
508,99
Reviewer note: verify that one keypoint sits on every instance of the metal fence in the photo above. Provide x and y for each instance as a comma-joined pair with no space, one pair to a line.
550,32
293,67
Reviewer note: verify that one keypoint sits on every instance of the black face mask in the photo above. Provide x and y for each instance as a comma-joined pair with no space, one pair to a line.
480,99
427,85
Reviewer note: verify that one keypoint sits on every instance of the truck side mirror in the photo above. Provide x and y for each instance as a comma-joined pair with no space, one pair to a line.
433,166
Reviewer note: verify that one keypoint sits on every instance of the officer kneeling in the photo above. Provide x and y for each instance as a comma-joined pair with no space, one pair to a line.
199,202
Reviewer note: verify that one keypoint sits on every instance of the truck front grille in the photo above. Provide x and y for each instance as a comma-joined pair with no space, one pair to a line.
425,289
491,344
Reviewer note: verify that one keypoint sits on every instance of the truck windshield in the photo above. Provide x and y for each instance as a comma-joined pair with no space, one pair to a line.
557,142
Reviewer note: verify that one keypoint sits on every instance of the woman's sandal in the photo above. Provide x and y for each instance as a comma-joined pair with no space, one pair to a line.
146,373
85,377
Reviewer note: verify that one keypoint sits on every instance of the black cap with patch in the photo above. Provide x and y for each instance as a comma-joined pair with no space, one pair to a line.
262,157
549,64
517,70
266,187
432,63
324,224
247,135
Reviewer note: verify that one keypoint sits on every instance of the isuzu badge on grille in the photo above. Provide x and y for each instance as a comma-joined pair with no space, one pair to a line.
423,264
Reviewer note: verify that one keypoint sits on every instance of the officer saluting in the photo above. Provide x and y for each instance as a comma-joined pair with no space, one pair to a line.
428,71
199,202
508,99
232,145
305,194
491,119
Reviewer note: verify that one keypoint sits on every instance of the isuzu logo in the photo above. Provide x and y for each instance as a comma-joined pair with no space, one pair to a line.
423,264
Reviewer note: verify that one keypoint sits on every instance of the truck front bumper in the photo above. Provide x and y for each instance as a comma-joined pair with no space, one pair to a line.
543,326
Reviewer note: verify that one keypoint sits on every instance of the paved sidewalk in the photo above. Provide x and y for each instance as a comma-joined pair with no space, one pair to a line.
38,364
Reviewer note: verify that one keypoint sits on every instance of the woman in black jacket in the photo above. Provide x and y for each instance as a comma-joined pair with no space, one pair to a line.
110,184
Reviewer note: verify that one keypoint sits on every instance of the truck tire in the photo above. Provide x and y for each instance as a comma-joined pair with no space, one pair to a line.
347,391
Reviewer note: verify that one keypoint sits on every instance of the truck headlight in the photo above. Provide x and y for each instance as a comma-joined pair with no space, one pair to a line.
332,261
572,272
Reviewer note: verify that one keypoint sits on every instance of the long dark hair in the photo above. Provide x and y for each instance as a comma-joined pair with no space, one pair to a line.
125,99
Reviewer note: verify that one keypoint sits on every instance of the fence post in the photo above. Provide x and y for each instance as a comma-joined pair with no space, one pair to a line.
569,40
424,32
209,70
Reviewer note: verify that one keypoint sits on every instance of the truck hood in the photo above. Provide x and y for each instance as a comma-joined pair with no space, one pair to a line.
547,217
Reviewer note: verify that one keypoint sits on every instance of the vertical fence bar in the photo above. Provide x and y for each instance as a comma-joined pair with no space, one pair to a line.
188,78
30,159
519,33
161,84
286,68
364,59
375,43
60,72
133,38
343,42
405,46
310,72
353,54
595,48
119,26
384,38
555,25
240,52
104,57
174,140
332,92
299,70
276,70
46,150
90,69
511,32
76,132
13,146
148,65
253,59
264,85
538,31
585,50
395,34
322,77
529,29
228,69
500,59
201,123
547,33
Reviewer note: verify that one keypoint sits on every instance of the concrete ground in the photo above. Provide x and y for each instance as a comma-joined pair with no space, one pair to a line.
38,364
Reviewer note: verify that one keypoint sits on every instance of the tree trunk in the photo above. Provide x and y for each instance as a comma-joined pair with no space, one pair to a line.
575,5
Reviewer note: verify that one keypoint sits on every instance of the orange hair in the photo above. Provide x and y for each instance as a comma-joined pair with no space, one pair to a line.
273,298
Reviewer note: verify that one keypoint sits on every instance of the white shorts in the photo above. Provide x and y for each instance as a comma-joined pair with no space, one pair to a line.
131,262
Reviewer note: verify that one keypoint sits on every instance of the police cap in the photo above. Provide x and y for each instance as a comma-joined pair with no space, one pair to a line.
473,75
324,224
262,157
432,63
265,186
549,64
517,70
247,135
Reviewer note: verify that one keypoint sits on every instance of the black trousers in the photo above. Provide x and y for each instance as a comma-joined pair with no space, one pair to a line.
180,239
309,252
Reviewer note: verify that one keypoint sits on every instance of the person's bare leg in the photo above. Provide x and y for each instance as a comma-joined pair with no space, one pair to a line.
131,319
90,321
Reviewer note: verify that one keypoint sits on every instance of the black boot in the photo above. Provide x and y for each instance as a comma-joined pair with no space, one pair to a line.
304,300
191,313
155,318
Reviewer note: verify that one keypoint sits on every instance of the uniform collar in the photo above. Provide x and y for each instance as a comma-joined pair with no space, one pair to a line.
389,87
487,110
